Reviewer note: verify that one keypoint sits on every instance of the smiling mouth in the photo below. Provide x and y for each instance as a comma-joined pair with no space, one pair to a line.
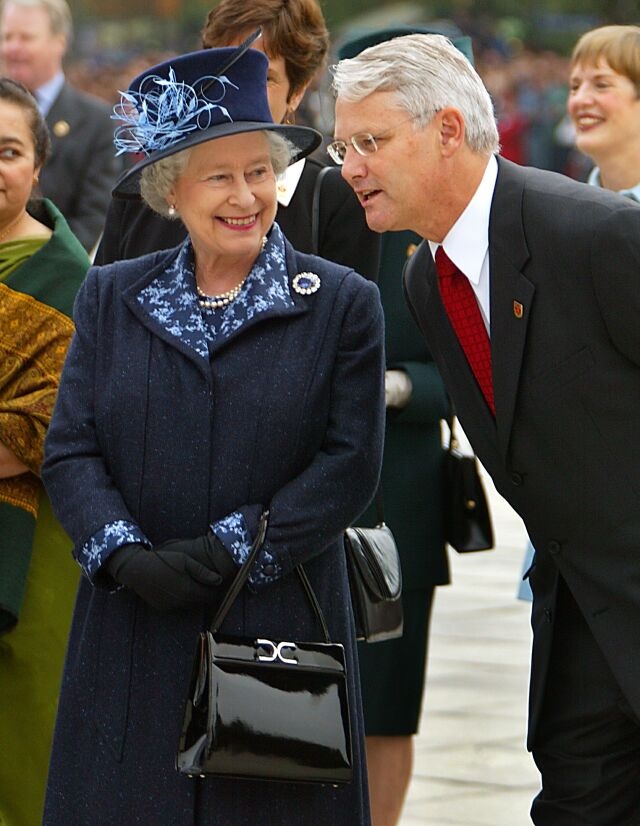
587,121
250,220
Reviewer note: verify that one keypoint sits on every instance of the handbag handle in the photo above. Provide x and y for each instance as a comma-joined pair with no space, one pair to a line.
315,211
453,441
241,577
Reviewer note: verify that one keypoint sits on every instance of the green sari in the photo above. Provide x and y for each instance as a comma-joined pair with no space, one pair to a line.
38,578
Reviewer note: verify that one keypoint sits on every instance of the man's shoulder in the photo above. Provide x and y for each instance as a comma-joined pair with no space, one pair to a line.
80,102
543,182
120,275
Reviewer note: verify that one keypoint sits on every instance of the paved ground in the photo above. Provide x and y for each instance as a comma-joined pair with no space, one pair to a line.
472,768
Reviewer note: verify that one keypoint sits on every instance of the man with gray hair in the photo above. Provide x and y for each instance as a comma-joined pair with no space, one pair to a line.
526,290
34,36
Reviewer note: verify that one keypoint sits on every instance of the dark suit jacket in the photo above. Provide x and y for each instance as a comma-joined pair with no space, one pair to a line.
132,229
564,449
82,169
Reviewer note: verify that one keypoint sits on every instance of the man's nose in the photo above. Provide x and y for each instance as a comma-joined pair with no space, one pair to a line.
354,164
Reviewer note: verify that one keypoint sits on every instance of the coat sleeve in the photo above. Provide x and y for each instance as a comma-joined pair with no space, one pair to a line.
313,509
74,471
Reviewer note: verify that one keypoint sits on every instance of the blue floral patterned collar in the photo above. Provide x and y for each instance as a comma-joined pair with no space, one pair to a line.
171,299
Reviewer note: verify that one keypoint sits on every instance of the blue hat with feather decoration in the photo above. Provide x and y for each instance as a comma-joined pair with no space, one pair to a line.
197,97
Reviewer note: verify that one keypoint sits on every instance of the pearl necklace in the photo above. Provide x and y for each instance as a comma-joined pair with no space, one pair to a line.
212,302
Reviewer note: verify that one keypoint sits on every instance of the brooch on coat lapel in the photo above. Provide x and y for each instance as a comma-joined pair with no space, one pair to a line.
306,283
61,128
518,309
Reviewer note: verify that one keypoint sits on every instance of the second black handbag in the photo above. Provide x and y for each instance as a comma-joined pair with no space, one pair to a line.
375,578
467,518
266,709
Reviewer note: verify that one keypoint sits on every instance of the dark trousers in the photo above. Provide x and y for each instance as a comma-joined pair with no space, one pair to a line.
587,746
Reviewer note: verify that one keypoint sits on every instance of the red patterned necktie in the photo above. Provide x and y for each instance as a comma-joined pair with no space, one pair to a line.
464,314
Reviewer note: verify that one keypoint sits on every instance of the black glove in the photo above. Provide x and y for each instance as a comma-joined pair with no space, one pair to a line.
165,578
208,550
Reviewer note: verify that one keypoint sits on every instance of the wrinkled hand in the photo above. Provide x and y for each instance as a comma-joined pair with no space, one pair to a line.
168,577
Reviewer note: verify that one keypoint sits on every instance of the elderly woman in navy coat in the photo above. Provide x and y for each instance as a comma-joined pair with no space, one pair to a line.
205,385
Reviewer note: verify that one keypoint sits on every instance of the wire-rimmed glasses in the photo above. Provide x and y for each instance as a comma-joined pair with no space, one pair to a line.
363,142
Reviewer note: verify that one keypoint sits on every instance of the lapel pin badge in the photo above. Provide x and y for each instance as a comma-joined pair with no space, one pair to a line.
518,309
306,283
61,128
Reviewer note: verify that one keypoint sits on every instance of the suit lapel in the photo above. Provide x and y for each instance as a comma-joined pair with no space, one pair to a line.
56,120
511,295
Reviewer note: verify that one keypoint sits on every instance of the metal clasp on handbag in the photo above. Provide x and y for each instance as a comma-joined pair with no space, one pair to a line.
275,652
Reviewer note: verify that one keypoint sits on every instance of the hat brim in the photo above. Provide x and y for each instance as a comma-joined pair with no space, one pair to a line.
303,138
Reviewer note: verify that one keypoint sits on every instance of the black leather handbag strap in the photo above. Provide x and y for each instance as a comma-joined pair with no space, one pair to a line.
315,210
379,506
241,577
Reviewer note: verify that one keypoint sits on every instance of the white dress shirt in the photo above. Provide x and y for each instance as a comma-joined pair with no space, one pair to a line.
46,94
467,242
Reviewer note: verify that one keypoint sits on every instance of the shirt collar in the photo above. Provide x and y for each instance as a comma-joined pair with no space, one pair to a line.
288,181
594,180
467,241
48,92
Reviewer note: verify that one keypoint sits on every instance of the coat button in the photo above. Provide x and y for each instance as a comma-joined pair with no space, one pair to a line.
516,478
554,547
548,613
269,569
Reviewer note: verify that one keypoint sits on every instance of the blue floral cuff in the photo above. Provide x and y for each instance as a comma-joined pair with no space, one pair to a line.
236,535
95,551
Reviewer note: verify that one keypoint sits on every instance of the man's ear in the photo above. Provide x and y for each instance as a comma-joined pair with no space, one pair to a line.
451,130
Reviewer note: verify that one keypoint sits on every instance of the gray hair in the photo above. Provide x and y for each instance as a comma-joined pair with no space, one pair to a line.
58,12
158,179
426,73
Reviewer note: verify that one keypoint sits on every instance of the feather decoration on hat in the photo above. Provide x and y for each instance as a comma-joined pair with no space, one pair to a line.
163,111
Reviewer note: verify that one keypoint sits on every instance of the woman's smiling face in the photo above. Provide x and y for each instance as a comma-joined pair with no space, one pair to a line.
226,197
604,107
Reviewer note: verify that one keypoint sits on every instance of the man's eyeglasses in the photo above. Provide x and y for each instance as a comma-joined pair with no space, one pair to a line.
363,142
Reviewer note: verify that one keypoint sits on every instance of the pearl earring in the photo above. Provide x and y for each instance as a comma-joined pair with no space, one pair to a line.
172,211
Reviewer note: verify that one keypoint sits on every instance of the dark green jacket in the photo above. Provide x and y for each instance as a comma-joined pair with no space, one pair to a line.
412,464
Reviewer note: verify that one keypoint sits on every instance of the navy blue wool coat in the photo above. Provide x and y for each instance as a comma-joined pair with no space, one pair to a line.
286,414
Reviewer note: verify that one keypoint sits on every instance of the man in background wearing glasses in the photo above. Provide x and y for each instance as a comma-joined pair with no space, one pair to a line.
526,289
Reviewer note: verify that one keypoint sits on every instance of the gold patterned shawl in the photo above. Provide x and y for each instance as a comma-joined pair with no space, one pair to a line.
34,338
38,282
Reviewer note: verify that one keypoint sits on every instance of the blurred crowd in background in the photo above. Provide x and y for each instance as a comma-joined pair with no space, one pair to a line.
528,85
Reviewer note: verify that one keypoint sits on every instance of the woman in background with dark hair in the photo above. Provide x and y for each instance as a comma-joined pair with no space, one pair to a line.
41,267
296,42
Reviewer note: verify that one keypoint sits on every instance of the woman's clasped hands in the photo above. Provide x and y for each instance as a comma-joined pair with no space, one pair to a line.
177,574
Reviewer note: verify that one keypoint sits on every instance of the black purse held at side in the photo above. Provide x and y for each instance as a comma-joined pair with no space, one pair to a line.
467,518
265,709
375,578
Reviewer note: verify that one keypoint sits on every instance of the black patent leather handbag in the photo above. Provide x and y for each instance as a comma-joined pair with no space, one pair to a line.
265,709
